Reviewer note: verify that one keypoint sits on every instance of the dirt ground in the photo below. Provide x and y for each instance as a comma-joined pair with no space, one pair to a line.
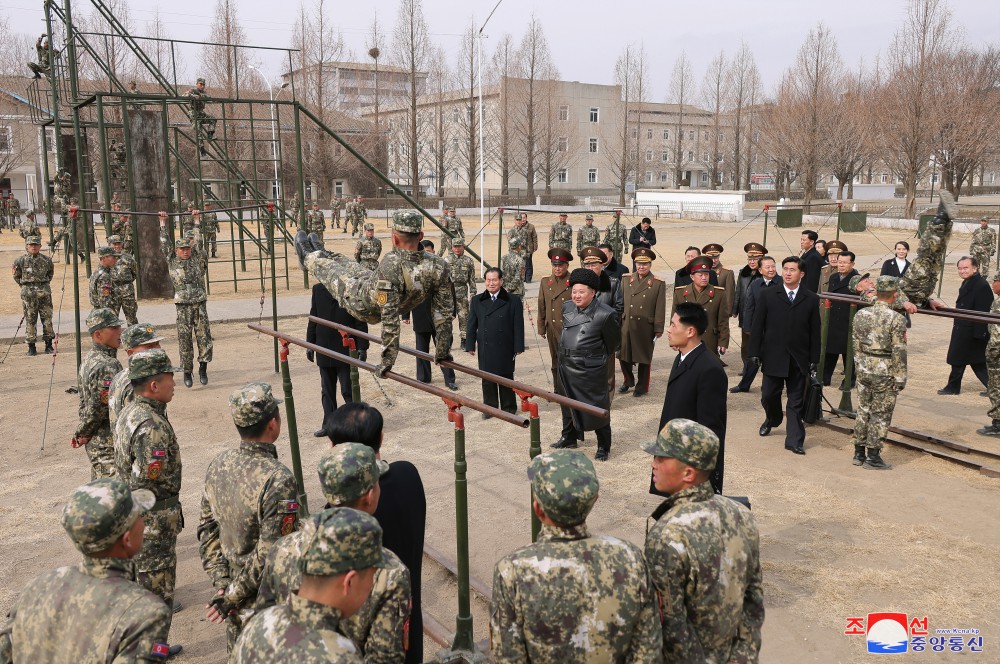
837,541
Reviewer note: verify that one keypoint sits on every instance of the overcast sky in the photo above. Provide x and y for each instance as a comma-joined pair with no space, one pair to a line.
586,36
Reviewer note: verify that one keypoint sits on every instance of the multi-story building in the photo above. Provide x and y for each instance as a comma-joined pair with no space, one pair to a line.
351,86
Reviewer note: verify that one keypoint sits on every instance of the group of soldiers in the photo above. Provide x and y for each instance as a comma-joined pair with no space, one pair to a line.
10,212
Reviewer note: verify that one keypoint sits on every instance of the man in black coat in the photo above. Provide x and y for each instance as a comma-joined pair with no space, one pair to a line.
748,274
812,260
785,342
332,371
496,324
968,339
682,277
642,235
838,333
402,506
424,333
696,389
768,279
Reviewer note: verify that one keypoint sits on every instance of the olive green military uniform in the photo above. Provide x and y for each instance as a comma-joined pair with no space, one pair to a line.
713,299
463,277
642,322
97,371
552,293
188,277
34,274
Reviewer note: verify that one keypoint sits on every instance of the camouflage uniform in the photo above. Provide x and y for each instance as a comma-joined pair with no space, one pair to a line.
210,231
124,275
188,277
360,214
118,158
570,596
615,235
880,356
96,373
316,224
463,277
349,212
62,187
519,234
121,225
250,500
368,250
588,236
703,553
512,266
561,235
403,280
335,205
121,386
29,227
293,206
147,456
198,113
104,291
984,245
993,370
33,274
44,56
94,611
453,224
919,281
307,632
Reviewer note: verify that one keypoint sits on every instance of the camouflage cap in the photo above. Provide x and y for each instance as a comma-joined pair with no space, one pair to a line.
515,242
344,540
102,318
369,226
886,283
33,239
589,217
114,239
688,442
857,279
200,80
458,242
139,334
252,403
183,242
564,484
407,221
347,472
150,362
107,251
99,513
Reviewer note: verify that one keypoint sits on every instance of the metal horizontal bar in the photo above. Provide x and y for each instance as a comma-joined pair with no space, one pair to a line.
944,312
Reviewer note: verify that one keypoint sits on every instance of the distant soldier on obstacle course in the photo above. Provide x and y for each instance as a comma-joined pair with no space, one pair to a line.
210,229
919,281
984,246
204,123
44,56
369,248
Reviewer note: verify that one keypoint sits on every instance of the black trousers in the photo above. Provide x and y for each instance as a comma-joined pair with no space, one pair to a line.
529,269
423,342
830,363
642,387
570,431
770,398
499,396
958,370
328,379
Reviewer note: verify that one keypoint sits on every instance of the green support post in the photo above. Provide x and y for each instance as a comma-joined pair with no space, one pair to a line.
840,212
845,396
500,238
824,314
301,183
534,449
293,431
355,378
766,216
618,233
76,285
274,286
102,143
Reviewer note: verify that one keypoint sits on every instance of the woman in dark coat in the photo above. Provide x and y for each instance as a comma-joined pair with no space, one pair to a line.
591,335
897,267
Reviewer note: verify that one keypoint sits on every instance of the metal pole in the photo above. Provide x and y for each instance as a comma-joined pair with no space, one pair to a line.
766,215
463,621
840,213
355,379
534,449
302,185
845,397
499,239
824,313
482,160
76,284
293,430
274,286
102,142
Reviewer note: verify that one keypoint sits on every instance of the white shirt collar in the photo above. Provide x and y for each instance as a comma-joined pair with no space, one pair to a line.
789,290
684,355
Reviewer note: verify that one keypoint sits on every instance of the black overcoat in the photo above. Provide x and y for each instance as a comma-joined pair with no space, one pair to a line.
589,337
968,339
498,329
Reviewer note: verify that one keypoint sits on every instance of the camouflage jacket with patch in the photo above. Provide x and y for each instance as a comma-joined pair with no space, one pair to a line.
187,276
880,343
96,373
588,236
103,290
299,631
315,221
147,454
368,249
463,275
125,272
984,242
561,235
993,345
28,269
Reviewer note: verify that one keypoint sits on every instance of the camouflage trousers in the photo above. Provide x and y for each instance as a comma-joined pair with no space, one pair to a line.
462,310
36,299
101,452
919,281
156,562
192,325
211,242
876,401
234,625
350,283
356,222
129,305
983,258
335,217
993,384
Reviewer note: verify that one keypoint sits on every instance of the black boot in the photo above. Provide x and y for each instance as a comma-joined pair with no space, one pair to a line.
875,461
859,455
188,381
203,373
991,430
603,444
48,347
947,210
31,349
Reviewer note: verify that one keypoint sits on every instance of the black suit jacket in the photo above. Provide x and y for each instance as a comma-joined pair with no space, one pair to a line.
785,332
838,335
890,268
968,339
814,264
325,306
498,329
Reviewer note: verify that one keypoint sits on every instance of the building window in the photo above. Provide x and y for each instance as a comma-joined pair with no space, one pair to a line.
454,144
704,177
707,157
593,145
595,114
635,133
649,155
592,175
50,138
665,156
338,187
649,134
454,115
648,177
563,144
691,135
6,140
563,176
454,176
722,136
690,155
666,134
564,113
392,150
664,176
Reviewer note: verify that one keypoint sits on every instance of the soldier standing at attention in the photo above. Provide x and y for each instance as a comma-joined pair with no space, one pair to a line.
210,228
92,612
984,245
335,204
532,245
360,214
615,237
604,609
349,476
316,225
338,570
703,553
712,298
250,500
588,236
463,277
519,229
724,275
512,267
453,224
553,291
349,213
293,205
643,320
33,272
561,234
135,339
103,290
368,249
97,371
993,367
124,275
880,354
147,456
188,268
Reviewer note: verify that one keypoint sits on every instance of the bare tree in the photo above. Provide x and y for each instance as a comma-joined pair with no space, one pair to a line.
410,49
743,85
16,49
226,64
157,48
112,57
440,153
715,93
466,77
501,134
681,91
848,131
533,63
557,138
623,136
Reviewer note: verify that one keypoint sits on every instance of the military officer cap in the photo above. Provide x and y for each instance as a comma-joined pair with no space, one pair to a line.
857,279
200,80
139,334
754,249
713,249
151,362
97,514
564,484
33,239
835,247
886,283
347,472
107,251
369,226
407,221
101,318
344,540
700,264
592,255
114,239
643,255
688,442
559,256
252,403
183,243
585,276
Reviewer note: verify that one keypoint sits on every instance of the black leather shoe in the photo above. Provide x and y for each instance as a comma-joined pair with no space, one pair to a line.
320,434
564,444
602,455
188,380
452,386
796,450
738,389
203,373
178,606
174,650
947,392
765,428
640,393
624,389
